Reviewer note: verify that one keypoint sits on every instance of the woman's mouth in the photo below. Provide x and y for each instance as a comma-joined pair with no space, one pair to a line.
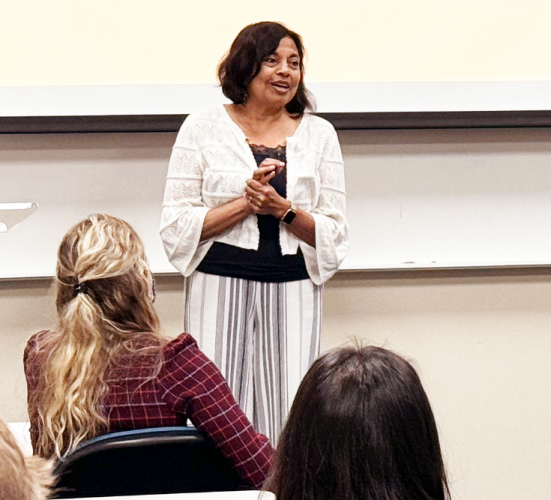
281,86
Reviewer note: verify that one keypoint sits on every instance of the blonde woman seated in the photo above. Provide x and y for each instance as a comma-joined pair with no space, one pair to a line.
107,368
21,478
360,428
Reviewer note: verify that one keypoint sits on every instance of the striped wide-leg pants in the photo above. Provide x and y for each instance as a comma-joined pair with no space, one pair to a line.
262,336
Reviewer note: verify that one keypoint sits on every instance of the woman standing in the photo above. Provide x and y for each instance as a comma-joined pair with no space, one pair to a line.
253,217
107,368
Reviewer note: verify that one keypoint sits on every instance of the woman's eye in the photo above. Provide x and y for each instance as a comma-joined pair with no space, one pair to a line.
270,60
294,64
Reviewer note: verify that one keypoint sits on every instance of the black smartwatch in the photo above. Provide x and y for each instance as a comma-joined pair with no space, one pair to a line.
289,215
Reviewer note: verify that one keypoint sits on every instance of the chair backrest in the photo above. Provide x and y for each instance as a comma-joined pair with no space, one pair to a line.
145,462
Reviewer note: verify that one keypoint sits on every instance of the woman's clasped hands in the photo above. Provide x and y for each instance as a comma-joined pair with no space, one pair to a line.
261,196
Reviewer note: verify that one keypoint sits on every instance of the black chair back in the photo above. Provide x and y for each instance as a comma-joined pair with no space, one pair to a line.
145,462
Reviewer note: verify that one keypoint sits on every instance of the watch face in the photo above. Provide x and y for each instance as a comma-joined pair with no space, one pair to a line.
289,216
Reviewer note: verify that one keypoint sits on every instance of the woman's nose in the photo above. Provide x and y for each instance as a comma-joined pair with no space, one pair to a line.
283,68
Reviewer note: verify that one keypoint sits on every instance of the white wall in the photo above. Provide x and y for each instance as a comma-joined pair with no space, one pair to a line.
481,343
479,338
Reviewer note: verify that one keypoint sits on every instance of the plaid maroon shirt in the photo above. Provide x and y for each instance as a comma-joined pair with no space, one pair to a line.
189,385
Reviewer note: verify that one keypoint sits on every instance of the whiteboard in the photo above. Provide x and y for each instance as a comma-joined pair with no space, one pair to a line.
448,198
72,176
416,199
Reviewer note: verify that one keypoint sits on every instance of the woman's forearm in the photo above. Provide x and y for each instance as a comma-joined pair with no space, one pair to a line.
224,217
304,227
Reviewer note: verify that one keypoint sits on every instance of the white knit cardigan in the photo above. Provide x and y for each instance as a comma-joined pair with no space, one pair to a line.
209,166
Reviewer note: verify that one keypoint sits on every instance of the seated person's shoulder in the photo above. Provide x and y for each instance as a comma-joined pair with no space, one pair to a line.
182,341
182,346
36,342
183,360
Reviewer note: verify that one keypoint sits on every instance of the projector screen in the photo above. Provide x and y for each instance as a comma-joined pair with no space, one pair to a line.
134,57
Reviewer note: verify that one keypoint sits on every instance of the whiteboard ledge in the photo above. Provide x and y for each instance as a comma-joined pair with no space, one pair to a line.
341,121
387,268
430,266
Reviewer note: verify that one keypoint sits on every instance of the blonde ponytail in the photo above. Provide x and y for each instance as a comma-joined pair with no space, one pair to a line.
105,308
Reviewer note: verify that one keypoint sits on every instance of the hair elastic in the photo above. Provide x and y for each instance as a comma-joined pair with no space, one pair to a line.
80,288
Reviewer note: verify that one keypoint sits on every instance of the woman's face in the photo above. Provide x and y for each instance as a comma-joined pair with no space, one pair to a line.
277,82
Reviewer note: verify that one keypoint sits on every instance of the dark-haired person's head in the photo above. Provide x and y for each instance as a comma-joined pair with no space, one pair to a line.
253,45
361,427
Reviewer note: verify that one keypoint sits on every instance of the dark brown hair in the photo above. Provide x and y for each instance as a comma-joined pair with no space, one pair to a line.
361,427
242,64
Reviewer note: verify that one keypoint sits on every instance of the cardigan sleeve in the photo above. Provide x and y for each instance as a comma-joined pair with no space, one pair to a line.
184,210
194,386
323,261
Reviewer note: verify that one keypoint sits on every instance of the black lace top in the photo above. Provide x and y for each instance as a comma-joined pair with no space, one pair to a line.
267,263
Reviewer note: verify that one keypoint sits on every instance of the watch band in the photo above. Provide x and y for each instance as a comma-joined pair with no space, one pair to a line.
289,215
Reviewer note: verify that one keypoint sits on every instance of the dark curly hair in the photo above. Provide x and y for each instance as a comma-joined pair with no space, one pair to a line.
243,62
